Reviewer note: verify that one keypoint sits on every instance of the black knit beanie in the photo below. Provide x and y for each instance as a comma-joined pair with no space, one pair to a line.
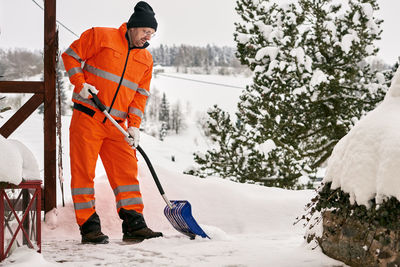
143,16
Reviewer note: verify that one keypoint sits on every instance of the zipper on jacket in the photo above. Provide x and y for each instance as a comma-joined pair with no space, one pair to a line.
119,84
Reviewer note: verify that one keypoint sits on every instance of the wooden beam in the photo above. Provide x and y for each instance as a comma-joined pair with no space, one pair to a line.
21,115
50,153
21,87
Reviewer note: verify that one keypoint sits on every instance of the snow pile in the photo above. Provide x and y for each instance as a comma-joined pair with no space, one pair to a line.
365,162
23,257
16,162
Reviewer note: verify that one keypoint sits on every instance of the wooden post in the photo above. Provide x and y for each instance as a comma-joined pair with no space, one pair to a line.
26,198
50,53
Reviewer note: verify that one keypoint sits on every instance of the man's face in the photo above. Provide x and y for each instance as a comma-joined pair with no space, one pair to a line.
139,36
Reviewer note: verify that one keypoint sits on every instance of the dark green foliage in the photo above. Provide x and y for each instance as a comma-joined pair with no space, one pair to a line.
385,214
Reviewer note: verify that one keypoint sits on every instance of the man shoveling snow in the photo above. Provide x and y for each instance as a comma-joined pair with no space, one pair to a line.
118,68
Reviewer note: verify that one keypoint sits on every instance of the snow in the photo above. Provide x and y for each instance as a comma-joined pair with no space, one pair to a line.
298,52
250,225
17,162
270,51
356,18
364,163
347,42
243,38
265,29
318,77
267,147
367,10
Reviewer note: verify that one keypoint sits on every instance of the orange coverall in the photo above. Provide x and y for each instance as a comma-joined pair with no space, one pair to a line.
101,57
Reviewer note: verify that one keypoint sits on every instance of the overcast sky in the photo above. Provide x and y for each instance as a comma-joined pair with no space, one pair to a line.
194,22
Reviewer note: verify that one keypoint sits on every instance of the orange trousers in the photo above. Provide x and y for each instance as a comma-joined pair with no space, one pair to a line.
90,137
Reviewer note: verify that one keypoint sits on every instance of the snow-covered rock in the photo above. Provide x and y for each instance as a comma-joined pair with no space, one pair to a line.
365,162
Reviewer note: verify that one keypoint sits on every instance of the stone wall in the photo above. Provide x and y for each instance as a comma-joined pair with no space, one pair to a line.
357,244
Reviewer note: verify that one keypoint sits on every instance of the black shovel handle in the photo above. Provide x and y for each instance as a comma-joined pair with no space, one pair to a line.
97,101
102,108
153,172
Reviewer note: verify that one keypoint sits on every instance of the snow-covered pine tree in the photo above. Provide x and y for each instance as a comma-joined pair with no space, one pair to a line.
3,108
311,83
177,118
60,85
164,117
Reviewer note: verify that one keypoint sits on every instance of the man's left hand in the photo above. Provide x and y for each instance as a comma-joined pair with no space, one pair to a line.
134,136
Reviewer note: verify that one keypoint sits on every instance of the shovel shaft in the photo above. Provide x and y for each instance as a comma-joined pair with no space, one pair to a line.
126,134
154,174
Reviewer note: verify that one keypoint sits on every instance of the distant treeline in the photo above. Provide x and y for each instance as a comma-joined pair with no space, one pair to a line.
20,63
195,56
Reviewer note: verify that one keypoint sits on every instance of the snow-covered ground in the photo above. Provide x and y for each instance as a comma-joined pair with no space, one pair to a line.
249,225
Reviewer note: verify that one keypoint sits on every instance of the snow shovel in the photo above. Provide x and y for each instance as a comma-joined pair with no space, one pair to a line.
178,212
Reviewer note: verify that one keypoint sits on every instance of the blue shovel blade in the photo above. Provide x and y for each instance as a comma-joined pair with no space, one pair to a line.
180,216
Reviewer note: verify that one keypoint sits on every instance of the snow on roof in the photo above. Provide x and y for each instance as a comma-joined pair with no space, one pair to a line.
365,162
16,162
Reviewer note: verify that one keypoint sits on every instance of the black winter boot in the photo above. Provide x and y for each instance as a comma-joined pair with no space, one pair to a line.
140,235
134,227
91,231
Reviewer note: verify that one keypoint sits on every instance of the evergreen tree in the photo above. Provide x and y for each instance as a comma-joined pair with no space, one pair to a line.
311,84
163,131
2,107
177,118
60,87
164,116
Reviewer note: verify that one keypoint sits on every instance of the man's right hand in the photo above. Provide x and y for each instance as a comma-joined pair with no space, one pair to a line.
85,90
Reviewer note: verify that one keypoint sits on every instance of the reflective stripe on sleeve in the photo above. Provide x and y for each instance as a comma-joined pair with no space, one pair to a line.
129,201
73,54
74,71
84,205
126,188
143,92
135,111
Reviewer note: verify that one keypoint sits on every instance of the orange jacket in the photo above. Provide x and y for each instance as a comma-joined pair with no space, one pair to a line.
107,59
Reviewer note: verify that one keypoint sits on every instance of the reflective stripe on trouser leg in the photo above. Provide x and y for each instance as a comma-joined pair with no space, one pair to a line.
85,142
120,162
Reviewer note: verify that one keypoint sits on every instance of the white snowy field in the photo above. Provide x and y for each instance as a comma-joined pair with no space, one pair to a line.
249,225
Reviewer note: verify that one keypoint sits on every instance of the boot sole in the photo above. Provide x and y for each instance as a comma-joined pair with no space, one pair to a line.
133,240
138,239
105,241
